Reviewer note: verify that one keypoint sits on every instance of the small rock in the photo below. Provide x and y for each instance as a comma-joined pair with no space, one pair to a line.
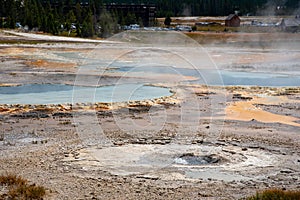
199,141
119,143
229,151
286,171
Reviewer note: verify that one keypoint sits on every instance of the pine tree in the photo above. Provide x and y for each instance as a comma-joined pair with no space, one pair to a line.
70,18
168,21
28,19
107,23
11,21
130,19
87,26
78,13
52,24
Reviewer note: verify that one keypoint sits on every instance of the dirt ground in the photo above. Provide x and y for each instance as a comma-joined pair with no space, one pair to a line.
203,142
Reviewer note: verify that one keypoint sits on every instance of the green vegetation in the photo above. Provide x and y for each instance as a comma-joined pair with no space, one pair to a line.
66,17
18,188
244,29
108,24
88,18
217,7
168,21
276,194
217,28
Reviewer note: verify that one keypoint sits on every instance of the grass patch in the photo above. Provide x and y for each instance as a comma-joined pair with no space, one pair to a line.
259,29
11,179
19,188
243,29
276,194
68,34
217,28
15,41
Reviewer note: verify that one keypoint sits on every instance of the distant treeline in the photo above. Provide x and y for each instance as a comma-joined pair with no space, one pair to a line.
218,7
85,18
89,18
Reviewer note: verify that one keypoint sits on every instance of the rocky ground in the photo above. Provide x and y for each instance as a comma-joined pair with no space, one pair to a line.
204,142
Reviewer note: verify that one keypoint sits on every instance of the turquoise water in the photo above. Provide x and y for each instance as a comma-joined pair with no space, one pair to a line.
224,77
58,94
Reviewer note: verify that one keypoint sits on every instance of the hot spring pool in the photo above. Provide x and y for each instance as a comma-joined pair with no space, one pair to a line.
223,77
59,94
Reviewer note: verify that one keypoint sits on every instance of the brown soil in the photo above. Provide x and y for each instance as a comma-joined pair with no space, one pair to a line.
48,64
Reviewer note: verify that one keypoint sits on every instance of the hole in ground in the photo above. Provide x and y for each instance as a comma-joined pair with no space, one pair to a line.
192,159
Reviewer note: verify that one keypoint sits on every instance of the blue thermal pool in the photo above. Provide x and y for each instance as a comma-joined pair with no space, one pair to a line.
223,77
58,94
